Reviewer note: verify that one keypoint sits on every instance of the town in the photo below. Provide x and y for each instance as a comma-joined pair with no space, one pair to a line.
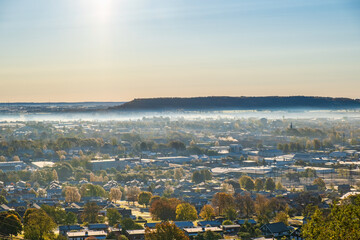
213,178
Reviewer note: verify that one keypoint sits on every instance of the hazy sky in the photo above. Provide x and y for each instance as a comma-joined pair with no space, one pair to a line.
115,50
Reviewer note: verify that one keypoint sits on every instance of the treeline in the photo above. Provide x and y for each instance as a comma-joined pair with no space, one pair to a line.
238,103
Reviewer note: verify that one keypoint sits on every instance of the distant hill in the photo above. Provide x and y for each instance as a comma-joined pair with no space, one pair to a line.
238,103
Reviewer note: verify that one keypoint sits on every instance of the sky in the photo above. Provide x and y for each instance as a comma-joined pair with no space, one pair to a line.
117,50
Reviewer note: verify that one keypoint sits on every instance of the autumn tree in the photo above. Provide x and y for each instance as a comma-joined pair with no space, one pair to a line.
115,194
207,212
132,194
164,209
227,188
144,198
282,217
222,201
245,205
165,231
55,175
186,212
91,212
72,194
262,208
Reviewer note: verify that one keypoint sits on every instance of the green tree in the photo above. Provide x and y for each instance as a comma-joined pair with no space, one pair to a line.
38,225
113,216
165,231
320,183
227,222
186,212
208,235
230,213
270,185
3,200
129,224
259,184
144,198
247,183
10,224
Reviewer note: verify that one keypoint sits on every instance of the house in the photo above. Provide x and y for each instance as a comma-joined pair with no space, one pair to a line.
98,227
231,229
151,225
184,224
138,234
85,234
193,232
275,230
344,188
69,228
243,221
209,224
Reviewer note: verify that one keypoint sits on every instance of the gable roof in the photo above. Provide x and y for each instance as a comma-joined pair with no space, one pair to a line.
276,227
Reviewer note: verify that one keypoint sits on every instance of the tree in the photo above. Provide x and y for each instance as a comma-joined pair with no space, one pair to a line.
282,217
262,208
2,159
144,198
164,209
16,159
259,184
38,225
320,183
178,174
72,194
222,201
10,224
279,186
227,222
317,144
341,223
245,205
55,175
208,235
132,194
227,188
91,190
230,213
201,176
3,200
165,231
129,224
186,212
247,183
248,231
207,212
115,194
91,212
270,185
113,216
